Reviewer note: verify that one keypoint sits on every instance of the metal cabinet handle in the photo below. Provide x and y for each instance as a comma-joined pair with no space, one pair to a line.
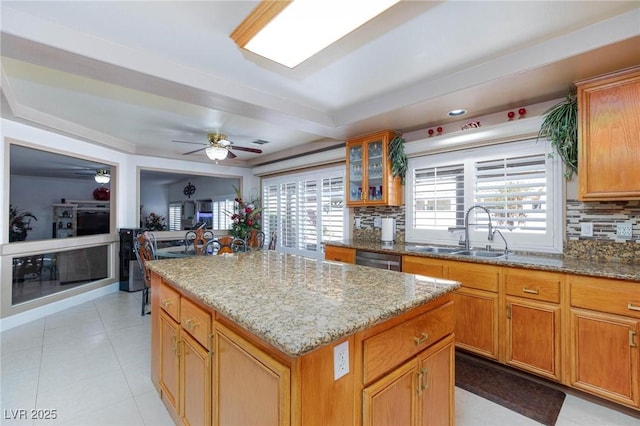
422,377
421,339
530,290
191,324
632,340
633,307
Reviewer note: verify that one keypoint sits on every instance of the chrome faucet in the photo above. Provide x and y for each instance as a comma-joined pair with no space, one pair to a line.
506,246
467,243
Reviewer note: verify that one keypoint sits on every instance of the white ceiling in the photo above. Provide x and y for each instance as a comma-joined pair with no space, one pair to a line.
137,75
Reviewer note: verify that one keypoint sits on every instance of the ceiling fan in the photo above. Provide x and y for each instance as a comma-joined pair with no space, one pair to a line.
219,147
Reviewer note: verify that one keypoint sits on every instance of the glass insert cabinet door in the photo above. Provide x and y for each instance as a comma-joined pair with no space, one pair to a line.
375,167
370,181
355,154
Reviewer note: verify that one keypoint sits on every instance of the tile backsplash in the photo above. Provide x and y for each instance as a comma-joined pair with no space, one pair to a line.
367,232
604,217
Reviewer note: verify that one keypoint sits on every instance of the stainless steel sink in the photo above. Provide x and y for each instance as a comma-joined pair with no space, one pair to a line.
479,253
431,249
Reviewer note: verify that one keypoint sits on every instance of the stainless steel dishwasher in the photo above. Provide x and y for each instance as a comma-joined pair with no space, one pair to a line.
391,262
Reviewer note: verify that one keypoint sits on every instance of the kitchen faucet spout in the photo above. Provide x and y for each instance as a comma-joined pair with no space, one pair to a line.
467,244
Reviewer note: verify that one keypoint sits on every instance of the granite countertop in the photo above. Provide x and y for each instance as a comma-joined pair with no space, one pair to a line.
558,263
296,303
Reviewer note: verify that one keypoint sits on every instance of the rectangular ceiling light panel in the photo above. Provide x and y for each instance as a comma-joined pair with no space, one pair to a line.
302,28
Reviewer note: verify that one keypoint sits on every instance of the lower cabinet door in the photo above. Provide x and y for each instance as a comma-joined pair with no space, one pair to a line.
533,337
392,399
252,387
437,369
195,384
420,392
604,355
169,363
477,321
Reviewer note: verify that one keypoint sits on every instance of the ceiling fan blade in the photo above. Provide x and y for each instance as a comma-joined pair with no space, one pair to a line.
242,148
196,150
193,143
231,155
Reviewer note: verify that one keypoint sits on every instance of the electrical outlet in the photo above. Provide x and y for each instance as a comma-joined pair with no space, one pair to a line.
377,222
586,229
357,222
340,360
623,230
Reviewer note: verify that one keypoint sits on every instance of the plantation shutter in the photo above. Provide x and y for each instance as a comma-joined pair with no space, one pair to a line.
438,197
514,190
332,209
175,216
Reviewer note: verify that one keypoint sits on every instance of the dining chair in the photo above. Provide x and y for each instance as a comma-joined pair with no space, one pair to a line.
198,239
225,244
144,249
273,240
238,245
212,247
254,240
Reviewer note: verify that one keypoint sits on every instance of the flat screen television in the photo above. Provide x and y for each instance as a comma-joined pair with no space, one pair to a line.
92,223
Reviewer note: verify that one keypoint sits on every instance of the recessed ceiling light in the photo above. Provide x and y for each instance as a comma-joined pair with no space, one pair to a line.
456,112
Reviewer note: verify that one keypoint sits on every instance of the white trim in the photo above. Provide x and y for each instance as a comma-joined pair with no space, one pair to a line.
51,308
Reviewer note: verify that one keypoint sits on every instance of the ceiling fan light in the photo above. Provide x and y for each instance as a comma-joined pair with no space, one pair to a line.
216,152
102,176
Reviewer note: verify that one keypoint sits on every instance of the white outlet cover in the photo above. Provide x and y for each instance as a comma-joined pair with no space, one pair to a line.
340,360
377,222
624,230
586,229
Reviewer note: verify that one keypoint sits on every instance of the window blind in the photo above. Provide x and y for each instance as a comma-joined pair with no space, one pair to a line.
438,197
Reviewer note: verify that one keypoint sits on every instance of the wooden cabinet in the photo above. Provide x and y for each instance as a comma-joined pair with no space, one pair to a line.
369,178
476,307
401,370
169,363
185,358
604,327
419,392
424,266
252,388
64,220
609,136
533,321
340,254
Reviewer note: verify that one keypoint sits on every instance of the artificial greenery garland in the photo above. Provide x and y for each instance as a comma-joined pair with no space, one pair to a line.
560,126
398,158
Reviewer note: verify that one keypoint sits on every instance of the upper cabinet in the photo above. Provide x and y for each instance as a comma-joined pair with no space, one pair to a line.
609,136
369,179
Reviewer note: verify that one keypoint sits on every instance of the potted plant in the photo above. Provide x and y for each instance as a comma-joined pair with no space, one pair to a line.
18,224
155,222
560,126
246,216
398,158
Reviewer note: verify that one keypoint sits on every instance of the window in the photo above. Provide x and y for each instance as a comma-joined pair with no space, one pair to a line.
222,211
304,210
520,184
175,216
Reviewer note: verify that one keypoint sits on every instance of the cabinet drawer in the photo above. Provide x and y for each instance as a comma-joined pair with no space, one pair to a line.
196,321
170,301
604,295
423,266
475,276
392,347
533,284
340,254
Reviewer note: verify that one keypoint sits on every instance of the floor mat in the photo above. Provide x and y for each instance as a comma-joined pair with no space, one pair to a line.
495,383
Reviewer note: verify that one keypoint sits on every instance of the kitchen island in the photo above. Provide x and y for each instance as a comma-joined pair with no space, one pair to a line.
269,338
